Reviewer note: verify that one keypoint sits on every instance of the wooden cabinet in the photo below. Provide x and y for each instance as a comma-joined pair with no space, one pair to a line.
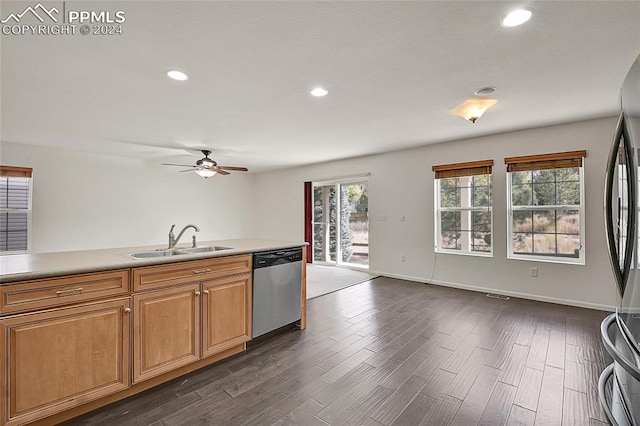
187,311
226,313
46,293
166,330
74,343
61,358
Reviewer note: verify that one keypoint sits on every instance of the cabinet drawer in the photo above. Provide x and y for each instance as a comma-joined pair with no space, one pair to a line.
31,295
185,272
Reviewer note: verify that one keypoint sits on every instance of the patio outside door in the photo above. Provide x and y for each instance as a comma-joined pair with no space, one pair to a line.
341,223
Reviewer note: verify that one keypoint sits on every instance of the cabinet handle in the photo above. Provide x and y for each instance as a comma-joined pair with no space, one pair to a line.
197,293
201,271
127,310
206,292
61,292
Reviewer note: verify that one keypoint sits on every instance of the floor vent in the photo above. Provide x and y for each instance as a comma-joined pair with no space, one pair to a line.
498,296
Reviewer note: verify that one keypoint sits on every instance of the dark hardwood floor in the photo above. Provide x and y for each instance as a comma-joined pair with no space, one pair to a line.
392,352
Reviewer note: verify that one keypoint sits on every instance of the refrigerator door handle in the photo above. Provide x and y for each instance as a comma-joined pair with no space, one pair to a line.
620,269
618,356
605,376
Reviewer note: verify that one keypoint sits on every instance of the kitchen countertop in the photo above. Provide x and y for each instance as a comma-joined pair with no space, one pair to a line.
22,267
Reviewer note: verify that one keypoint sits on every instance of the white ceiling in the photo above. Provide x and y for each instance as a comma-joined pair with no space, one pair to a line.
393,70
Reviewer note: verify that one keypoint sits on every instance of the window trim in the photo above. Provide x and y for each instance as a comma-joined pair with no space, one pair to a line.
457,170
22,172
545,160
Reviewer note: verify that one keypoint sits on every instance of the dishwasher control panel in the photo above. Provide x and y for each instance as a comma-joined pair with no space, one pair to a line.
276,257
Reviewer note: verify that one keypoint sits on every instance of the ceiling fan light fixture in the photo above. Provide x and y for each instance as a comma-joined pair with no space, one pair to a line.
473,108
205,173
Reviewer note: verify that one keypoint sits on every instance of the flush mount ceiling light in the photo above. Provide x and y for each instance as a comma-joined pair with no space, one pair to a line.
473,108
517,17
319,92
177,75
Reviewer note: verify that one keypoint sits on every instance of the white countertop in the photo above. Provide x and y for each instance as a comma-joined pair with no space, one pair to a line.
22,267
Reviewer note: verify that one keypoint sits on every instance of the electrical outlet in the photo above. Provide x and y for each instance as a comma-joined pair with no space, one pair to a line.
402,218
403,258
534,272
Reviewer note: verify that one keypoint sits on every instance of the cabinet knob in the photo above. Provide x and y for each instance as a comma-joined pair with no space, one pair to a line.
127,310
206,292
197,293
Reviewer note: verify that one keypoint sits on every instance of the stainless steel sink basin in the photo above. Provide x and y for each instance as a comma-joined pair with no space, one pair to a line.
156,253
204,249
175,252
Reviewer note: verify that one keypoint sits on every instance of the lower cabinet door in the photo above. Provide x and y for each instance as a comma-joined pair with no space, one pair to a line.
226,315
58,359
166,330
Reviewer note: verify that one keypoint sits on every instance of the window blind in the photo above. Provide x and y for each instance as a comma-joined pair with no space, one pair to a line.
473,168
15,184
557,160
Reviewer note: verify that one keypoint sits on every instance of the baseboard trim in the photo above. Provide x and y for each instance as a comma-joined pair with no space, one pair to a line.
539,298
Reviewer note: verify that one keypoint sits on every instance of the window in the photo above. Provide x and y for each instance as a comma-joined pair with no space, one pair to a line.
464,213
546,207
15,209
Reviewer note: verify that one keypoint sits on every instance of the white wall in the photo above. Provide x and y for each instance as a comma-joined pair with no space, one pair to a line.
401,183
86,201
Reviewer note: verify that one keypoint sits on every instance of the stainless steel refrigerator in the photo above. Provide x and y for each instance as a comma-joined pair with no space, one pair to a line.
619,385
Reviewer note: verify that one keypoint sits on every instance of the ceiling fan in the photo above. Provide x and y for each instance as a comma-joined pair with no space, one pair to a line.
206,167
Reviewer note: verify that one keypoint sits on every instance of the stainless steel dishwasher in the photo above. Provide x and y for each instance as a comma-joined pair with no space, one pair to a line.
277,277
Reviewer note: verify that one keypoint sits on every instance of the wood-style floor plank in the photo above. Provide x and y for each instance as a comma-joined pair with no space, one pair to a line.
521,416
512,370
476,400
528,394
442,411
549,410
398,401
573,408
497,410
392,352
415,411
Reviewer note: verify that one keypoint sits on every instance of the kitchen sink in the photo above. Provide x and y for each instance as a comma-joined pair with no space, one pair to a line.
175,252
205,249
156,253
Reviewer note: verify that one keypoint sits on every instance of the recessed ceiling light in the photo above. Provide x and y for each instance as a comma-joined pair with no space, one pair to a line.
177,75
517,17
485,91
319,91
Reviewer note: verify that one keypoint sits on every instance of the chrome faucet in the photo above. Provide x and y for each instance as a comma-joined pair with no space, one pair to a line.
172,238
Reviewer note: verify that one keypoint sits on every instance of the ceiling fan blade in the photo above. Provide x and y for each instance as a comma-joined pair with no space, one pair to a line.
238,169
179,165
188,170
219,171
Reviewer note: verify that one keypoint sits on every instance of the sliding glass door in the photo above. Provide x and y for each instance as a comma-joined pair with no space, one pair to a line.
341,223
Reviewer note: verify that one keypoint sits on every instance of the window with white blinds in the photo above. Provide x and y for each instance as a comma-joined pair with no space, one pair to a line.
15,208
